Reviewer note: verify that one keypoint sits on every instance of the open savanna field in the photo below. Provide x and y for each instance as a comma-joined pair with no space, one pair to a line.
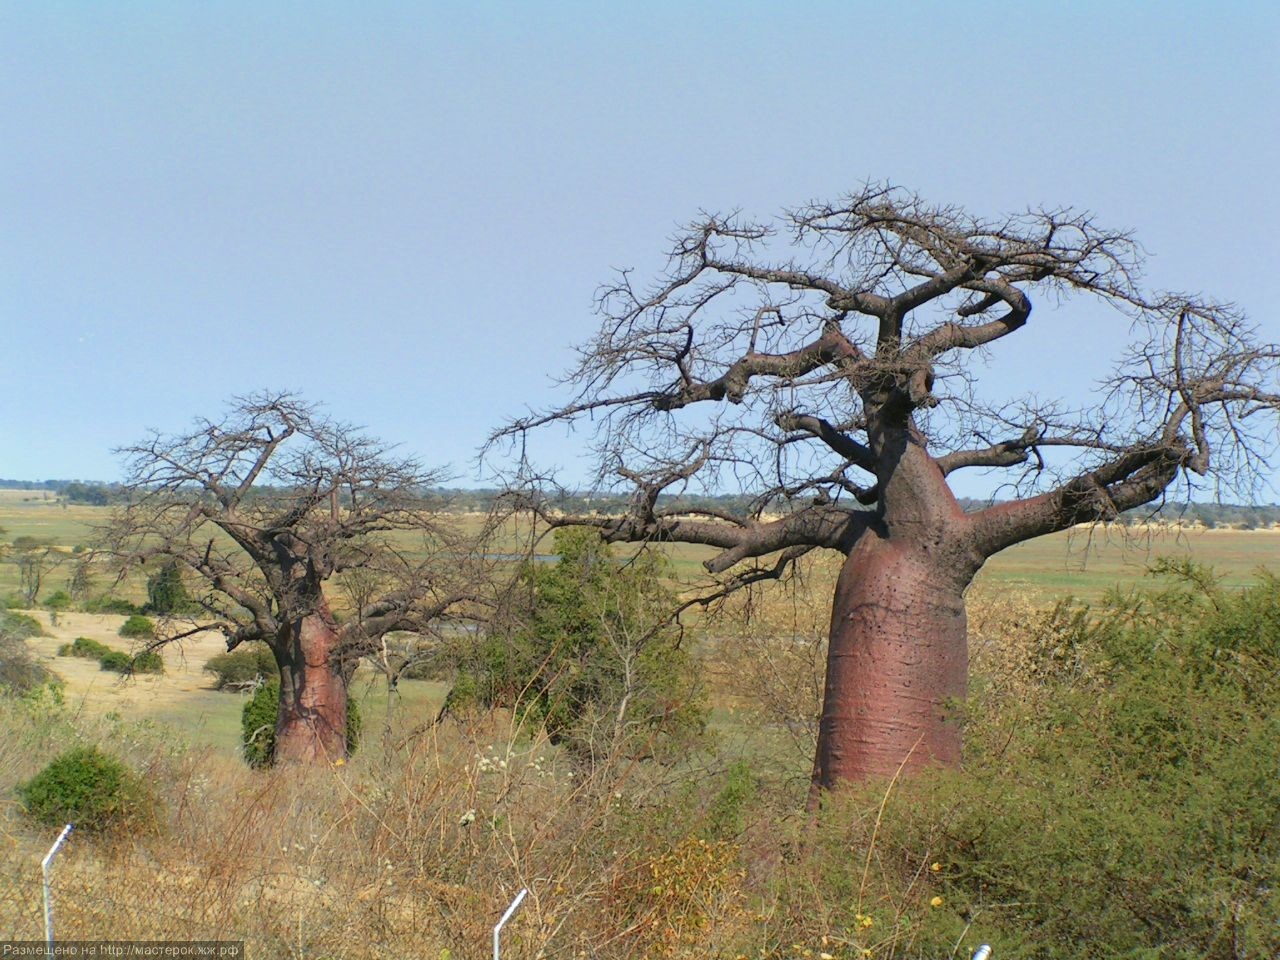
1042,846
1083,564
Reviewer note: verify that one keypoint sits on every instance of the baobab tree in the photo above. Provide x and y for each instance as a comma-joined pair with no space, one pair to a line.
827,363
262,508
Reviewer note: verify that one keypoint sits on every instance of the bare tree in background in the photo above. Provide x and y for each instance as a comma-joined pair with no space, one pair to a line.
34,559
264,507
827,363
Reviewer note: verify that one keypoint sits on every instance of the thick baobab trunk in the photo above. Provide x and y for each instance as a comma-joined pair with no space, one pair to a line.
897,659
312,723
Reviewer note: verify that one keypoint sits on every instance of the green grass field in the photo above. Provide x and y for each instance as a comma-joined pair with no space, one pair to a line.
1087,563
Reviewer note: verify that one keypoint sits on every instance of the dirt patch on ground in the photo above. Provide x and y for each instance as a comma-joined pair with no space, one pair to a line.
183,695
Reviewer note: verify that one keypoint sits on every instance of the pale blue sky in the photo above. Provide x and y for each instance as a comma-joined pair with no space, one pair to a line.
403,210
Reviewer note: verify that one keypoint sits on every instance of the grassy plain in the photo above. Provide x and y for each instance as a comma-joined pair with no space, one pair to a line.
1083,563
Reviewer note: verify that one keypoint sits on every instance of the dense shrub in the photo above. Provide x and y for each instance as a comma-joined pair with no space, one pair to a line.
57,601
148,661
138,627
245,664
19,625
89,788
105,604
258,725
84,647
591,656
167,591
117,661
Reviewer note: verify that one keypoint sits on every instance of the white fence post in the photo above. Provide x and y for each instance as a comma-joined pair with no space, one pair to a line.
497,928
44,869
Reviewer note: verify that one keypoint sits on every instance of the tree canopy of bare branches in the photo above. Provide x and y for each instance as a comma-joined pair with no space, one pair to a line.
827,362
262,508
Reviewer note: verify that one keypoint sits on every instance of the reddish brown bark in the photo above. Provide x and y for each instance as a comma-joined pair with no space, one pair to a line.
897,658
896,662
312,723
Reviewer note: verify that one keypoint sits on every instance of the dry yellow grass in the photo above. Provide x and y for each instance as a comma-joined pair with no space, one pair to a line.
410,852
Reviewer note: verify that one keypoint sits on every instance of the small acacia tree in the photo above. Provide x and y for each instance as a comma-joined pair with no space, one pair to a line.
585,647
34,558
262,508
166,591
827,364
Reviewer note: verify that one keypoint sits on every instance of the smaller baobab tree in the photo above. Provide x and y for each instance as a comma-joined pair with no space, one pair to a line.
262,508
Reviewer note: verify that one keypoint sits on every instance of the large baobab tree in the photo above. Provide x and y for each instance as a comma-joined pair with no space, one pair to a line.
827,362
262,508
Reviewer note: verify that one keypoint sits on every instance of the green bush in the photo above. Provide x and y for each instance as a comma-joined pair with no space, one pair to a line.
258,725
84,647
105,604
19,625
90,789
726,814
167,591
138,627
593,636
58,600
117,661
245,664
148,661
1128,808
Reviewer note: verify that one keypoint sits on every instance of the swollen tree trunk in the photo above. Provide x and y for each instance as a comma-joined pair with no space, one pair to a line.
312,722
897,656
897,662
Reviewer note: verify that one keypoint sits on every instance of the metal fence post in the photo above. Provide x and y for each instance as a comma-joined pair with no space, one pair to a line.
44,869
497,928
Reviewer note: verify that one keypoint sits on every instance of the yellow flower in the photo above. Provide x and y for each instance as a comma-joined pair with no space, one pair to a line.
866,951
864,921
936,868
936,902
340,762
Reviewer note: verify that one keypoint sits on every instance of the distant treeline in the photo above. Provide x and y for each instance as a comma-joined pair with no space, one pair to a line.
464,500
1206,514
73,491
